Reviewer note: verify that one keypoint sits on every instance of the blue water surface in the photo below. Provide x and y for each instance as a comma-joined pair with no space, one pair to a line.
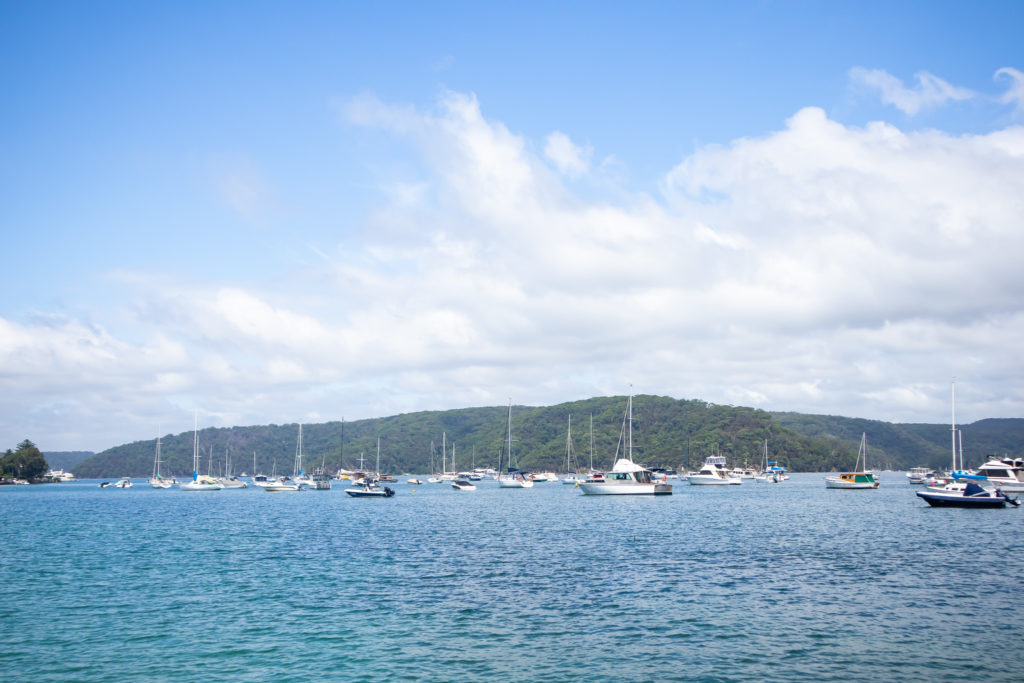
764,582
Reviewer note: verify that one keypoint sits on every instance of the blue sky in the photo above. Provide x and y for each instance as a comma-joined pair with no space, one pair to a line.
274,212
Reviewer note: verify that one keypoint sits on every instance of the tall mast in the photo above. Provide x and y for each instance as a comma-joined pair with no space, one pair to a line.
591,441
953,429
444,453
631,427
510,435
568,444
195,445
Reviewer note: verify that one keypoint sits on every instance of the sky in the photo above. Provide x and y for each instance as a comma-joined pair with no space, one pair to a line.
275,212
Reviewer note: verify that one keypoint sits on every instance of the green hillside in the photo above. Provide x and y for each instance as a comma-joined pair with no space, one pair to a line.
666,432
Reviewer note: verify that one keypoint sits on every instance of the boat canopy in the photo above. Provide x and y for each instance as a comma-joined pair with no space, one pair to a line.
626,465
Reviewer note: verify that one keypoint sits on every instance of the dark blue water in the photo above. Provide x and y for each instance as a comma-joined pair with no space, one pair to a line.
757,582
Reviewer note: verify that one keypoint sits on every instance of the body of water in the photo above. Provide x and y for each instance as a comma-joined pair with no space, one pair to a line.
767,582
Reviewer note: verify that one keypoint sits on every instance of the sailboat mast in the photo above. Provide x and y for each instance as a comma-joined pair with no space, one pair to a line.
444,453
953,428
591,441
510,435
568,444
631,427
195,446
378,457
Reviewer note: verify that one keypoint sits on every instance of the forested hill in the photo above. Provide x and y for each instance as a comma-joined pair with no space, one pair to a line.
66,460
666,432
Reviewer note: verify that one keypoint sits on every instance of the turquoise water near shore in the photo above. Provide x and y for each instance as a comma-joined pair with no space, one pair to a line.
756,582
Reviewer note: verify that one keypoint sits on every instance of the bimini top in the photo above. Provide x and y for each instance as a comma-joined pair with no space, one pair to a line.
626,465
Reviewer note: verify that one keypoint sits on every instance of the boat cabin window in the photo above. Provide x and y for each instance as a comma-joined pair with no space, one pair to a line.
621,476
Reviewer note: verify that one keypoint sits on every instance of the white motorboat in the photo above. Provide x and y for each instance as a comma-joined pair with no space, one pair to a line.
281,485
414,481
463,485
198,483
1006,474
513,478
713,473
59,475
918,475
626,477
123,483
861,477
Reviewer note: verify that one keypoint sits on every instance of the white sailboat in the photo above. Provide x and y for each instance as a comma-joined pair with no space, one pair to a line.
766,476
513,478
157,481
199,483
572,478
626,477
228,481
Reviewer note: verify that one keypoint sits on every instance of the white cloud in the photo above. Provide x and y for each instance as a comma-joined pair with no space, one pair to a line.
821,268
1015,91
570,159
930,91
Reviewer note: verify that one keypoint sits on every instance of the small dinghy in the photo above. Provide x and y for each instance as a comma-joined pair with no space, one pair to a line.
972,496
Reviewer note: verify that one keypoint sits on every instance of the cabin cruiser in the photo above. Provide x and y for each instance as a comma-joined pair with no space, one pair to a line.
1007,474
918,475
626,478
59,475
713,473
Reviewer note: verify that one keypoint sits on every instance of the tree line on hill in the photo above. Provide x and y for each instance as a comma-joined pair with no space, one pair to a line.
667,432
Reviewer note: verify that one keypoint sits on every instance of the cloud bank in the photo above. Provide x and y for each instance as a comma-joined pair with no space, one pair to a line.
820,268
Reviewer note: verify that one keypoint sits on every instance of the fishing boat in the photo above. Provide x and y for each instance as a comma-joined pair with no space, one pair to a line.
972,496
626,477
198,483
713,473
861,477
513,478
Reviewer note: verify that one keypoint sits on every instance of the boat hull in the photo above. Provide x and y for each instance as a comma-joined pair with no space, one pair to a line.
374,493
515,484
960,500
608,488
701,480
199,486
831,483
